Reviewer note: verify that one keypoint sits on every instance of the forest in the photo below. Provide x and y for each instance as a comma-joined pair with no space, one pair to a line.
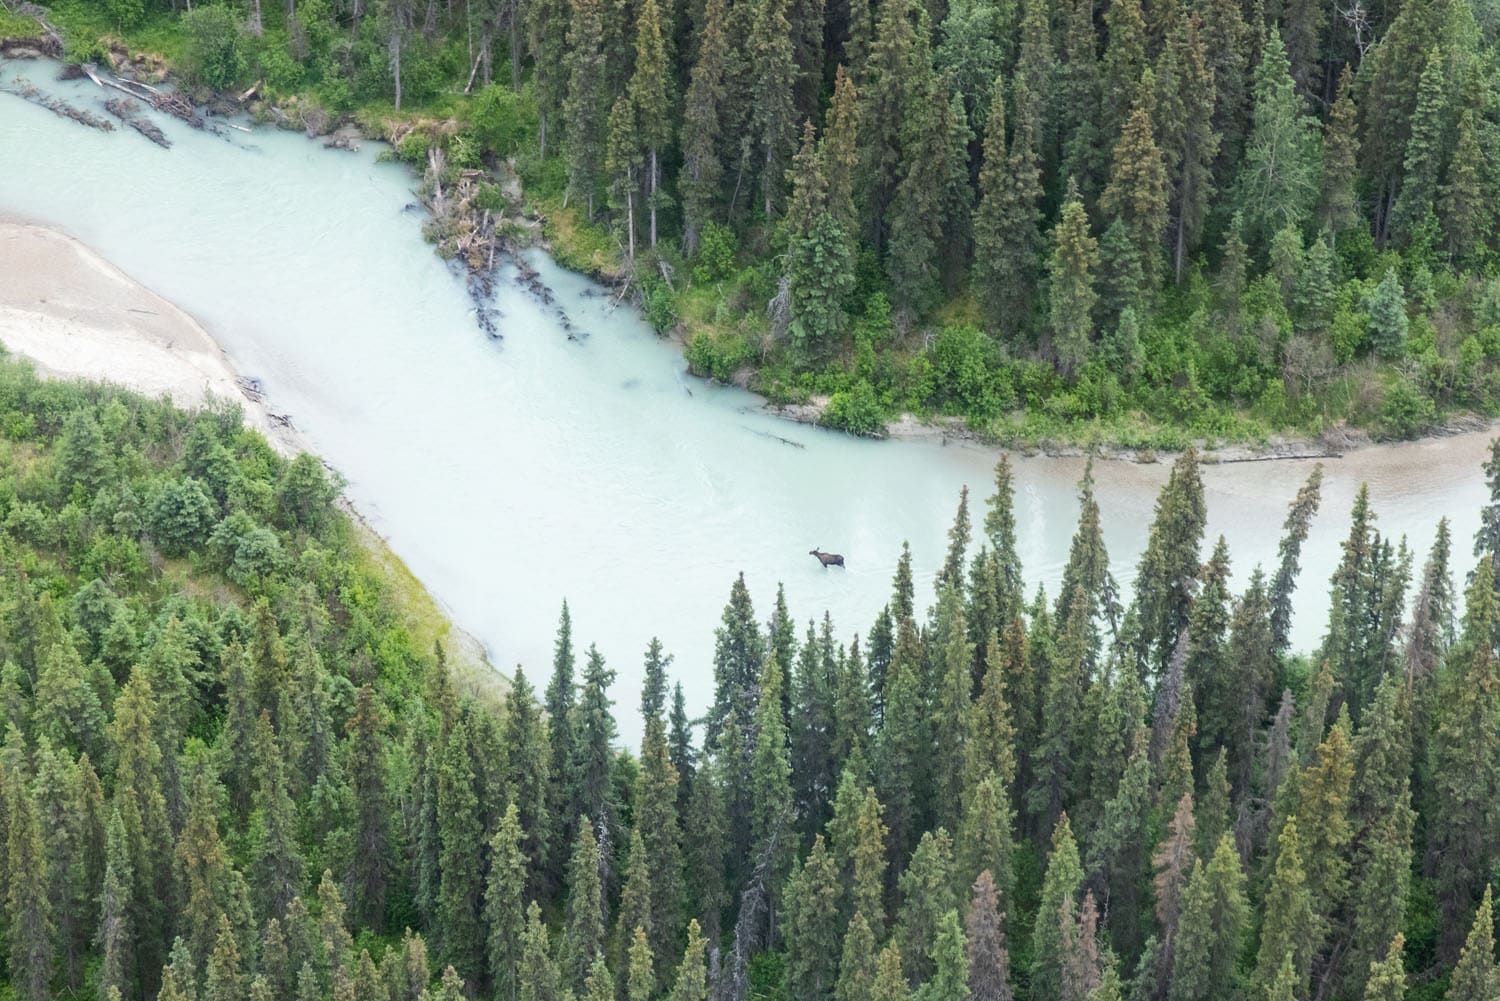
1146,223
228,770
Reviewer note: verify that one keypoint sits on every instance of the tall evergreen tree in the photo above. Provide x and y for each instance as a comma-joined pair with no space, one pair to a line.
1278,178
503,914
1466,761
584,110
1075,255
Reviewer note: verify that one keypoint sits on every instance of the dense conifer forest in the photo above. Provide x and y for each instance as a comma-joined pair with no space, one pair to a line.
229,772
1145,221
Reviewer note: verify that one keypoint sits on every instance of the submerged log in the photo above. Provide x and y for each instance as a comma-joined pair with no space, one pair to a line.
58,106
128,111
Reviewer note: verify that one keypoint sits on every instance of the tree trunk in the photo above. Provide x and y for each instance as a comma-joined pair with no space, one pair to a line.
515,51
395,44
655,180
255,24
291,9
630,216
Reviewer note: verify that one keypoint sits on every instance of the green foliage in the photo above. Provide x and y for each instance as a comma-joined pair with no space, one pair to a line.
717,249
857,410
503,121
658,303
215,49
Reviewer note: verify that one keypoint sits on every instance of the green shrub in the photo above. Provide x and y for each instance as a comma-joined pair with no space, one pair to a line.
658,303
503,121
215,51
717,247
856,410
718,357
961,379
1406,412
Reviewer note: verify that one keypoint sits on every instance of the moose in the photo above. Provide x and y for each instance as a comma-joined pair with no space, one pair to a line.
827,559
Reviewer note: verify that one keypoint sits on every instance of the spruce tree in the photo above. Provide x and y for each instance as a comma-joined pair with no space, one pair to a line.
539,980
1338,208
527,776
1288,935
1075,255
29,907
1425,149
1278,178
371,864
820,254
1171,563
1465,768
702,165
771,804
927,892
652,92
116,935
692,974
503,914
857,964
810,926
1475,975
1388,323
1468,220
622,165
561,696
584,931
989,960
584,108
1059,899
1387,977
773,114
1124,59
461,856
949,960
1211,926
593,744
1197,142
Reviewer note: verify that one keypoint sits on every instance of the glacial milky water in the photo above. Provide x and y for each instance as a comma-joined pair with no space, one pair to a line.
511,475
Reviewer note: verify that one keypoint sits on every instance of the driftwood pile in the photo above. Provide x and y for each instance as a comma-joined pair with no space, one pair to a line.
464,231
58,106
128,112
168,102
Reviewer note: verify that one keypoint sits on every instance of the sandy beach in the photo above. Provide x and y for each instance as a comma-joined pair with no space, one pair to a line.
76,316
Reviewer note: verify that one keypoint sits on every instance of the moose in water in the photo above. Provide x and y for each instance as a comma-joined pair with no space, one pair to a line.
827,559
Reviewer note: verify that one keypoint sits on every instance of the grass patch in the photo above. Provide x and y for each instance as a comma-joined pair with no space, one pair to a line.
426,621
16,26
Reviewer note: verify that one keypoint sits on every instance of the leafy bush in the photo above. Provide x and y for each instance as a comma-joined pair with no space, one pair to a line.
215,51
1406,412
961,378
856,410
718,357
658,304
717,247
503,121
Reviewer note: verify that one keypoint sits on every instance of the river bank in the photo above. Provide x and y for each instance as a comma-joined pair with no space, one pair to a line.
75,316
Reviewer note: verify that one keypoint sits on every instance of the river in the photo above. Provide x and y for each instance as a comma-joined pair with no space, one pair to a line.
510,475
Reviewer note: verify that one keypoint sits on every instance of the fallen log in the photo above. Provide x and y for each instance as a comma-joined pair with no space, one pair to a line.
127,111
251,92
59,107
